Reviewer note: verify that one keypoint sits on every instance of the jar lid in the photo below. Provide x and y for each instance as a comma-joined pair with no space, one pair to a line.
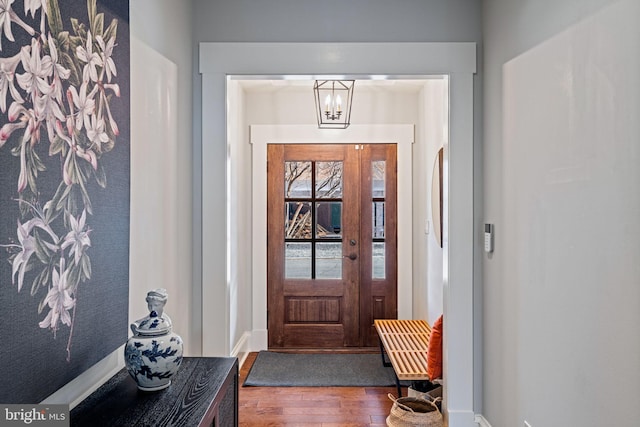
154,325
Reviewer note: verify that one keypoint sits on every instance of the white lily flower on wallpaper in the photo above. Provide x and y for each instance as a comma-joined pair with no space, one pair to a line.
32,6
5,20
7,72
37,70
7,129
92,59
96,131
16,112
85,104
29,117
109,67
31,134
27,244
28,248
37,222
7,16
78,237
59,300
59,71
48,109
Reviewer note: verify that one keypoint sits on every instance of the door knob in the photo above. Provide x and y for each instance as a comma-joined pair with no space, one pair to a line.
351,256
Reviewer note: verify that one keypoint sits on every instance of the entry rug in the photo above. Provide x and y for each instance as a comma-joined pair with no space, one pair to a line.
272,369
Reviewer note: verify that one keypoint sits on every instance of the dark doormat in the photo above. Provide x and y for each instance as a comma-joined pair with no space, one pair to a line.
272,369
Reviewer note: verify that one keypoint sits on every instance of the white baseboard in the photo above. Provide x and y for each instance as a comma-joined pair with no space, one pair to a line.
242,348
89,381
482,422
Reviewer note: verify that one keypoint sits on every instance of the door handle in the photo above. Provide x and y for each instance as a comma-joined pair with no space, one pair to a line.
352,257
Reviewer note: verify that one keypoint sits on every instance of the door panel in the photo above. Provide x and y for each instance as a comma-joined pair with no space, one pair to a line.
315,271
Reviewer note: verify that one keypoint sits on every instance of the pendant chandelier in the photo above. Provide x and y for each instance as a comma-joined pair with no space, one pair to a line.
333,103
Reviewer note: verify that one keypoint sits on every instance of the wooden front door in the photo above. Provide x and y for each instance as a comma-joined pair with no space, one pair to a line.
331,267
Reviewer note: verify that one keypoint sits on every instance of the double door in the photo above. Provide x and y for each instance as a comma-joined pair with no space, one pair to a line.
332,243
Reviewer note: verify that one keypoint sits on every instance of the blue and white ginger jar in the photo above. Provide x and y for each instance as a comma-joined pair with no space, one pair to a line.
154,353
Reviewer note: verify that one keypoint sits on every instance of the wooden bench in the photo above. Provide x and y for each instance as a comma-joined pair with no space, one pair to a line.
405,343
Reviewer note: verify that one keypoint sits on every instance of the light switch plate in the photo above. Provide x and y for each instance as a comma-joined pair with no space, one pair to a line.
488,238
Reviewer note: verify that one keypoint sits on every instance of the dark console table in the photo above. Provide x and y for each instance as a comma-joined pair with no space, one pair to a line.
204,392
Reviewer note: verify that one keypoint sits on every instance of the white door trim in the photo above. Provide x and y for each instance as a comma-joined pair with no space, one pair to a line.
458,61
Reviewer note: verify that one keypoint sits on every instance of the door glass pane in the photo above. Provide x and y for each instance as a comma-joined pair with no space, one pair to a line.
328,260
329,219
378,178
297,220
329,180
378,260
378,217
378,220
297,260
297,179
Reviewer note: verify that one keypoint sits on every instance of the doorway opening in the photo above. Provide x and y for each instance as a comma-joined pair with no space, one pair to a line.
421,101
225,296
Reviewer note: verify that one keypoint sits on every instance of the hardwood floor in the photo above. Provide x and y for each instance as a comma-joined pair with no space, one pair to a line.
312,406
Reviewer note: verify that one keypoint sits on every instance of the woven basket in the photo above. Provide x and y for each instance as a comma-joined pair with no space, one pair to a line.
414,412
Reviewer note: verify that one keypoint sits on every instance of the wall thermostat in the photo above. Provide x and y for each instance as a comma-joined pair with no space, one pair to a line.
488,238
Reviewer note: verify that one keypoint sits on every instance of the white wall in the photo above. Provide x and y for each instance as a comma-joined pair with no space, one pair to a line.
295,105
161,190
239,176
337,21
432,132
154,211
561,146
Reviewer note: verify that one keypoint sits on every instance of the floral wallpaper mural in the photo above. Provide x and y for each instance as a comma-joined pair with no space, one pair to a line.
64,190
